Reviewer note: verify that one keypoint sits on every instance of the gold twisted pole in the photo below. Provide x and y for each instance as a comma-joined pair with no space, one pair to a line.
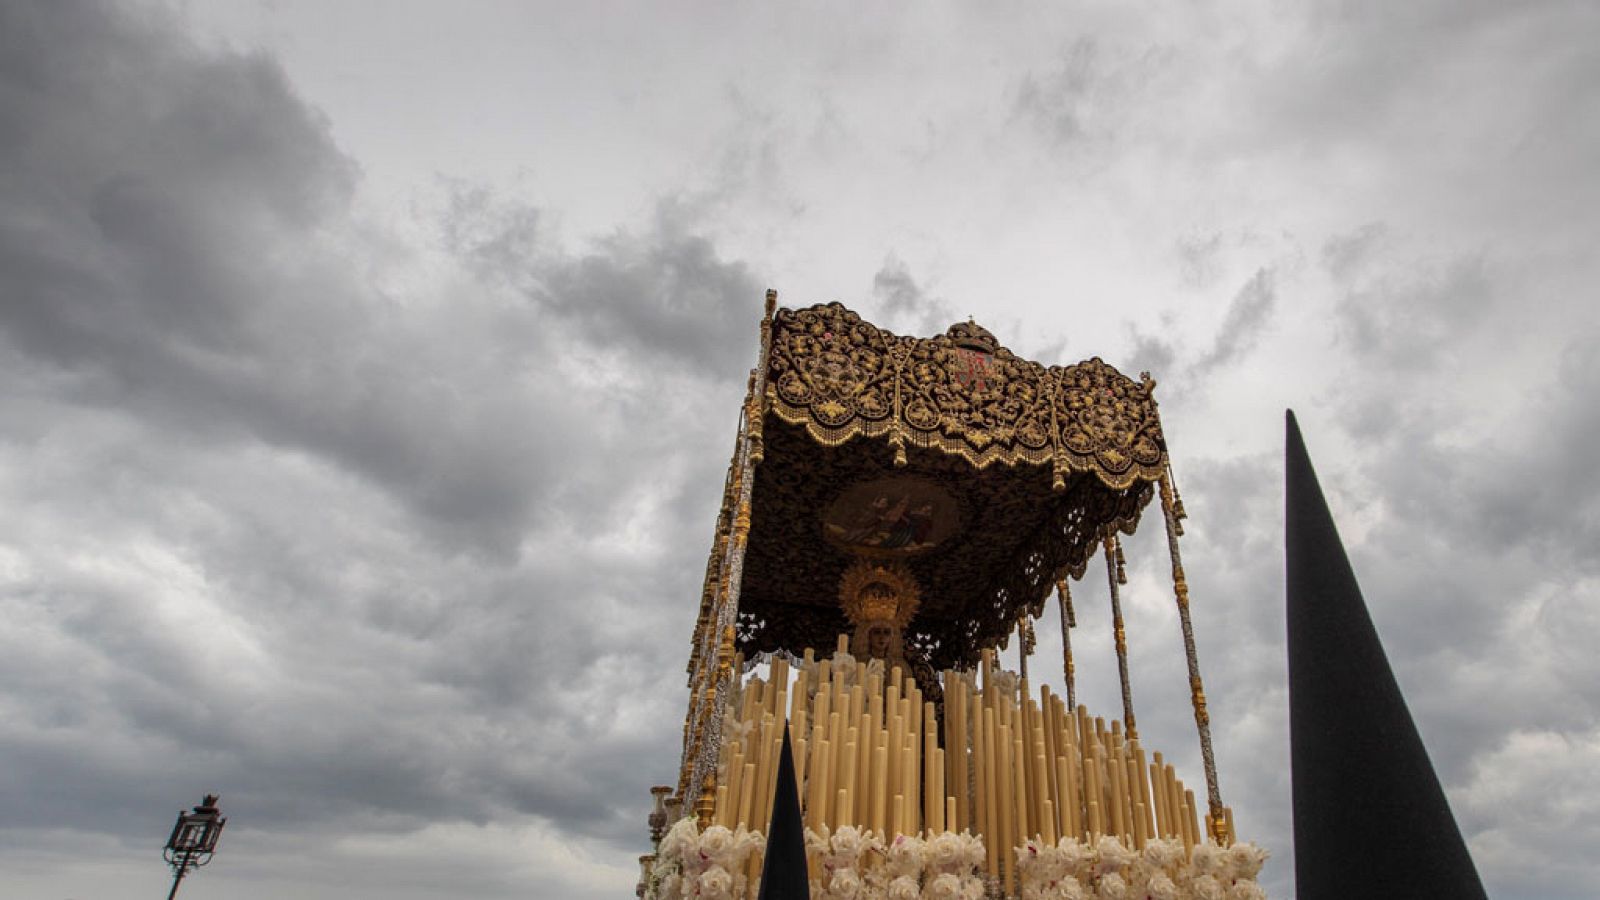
707,744
1069,620
1218,821
1116,577
1024,644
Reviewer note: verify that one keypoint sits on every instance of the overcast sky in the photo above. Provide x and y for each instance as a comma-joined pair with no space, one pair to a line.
368,372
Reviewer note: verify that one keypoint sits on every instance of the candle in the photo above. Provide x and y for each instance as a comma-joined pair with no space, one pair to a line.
880,761
990,807
845,815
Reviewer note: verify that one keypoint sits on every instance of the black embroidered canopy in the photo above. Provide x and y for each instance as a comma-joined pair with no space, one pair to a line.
988,476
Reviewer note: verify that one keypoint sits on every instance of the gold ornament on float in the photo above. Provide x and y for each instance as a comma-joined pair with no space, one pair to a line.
879,599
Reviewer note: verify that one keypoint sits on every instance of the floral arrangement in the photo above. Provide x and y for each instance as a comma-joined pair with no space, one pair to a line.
858,865
706,864
1073,870
842,662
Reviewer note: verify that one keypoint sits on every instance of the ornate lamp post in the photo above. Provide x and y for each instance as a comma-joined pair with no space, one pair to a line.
193,840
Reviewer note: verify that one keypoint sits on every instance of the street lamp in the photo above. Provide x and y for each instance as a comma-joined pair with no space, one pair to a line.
193,840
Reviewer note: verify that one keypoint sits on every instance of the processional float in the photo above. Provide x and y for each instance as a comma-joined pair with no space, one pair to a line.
896,510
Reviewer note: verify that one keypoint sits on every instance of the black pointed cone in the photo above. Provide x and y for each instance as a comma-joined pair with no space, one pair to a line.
783,870
1370,819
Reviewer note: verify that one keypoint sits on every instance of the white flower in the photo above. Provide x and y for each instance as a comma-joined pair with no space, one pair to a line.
972,888
846,884
848,842
944,851
1068,888
1205,887
1163,854
1113,856
905,855
904,888
1207,858
1246,860
943,887
844,662
1112,887
683,835
717,844
1075,857
747,842
1247,890
1160,887
1007,683
716,883
973,849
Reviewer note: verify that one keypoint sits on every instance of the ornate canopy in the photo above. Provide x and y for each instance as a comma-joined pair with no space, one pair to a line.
987,476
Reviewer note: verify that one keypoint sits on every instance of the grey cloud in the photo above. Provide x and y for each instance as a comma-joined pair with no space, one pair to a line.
1247,316
1410,321
1060,102
907,305
1198,260
381,544
1150,354
1344,255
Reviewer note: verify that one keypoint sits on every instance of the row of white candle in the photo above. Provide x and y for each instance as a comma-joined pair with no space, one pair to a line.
867,751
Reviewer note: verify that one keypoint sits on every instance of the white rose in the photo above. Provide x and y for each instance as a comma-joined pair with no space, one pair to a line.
1113,855
904,888
1160,887
943,852
1163,853
1206,887
1207,858
848,842
1112,887
972,847
680,838
1247,890
747,842
1075,857
1069,889
905,855
1246,860
716,842
716,883
944,887
846,884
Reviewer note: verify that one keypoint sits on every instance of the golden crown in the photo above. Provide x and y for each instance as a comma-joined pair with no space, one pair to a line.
879,592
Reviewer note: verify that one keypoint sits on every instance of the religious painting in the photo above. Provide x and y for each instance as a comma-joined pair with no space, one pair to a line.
900,516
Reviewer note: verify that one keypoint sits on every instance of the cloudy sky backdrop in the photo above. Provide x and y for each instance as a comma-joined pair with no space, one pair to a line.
368,371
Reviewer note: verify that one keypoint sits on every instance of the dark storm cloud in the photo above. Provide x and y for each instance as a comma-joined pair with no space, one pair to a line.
428,539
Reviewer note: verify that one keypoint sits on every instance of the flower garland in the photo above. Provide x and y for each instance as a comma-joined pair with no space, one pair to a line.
856,864
695,864
1072,870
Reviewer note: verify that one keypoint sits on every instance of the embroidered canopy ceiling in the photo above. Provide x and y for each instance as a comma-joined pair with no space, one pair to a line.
986,475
